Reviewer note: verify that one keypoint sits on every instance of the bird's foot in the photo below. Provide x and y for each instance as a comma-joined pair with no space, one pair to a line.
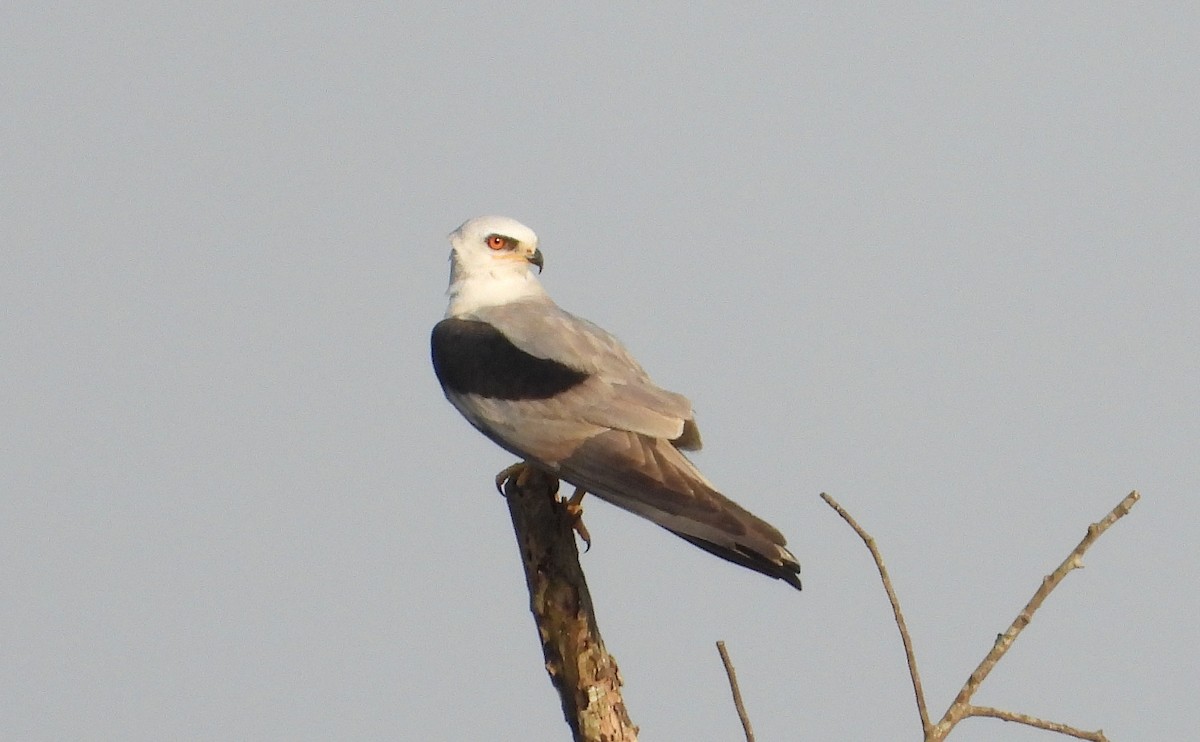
574,508
519,471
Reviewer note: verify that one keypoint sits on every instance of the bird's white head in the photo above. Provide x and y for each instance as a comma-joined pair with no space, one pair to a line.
491,263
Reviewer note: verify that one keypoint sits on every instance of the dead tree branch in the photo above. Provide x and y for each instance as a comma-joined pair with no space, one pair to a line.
962,707
737,693
582,671
905,637
1049,726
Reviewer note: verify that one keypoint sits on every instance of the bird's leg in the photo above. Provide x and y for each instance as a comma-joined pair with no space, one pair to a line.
574,508
520,470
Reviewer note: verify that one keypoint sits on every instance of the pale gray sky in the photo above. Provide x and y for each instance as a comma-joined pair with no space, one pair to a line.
940,261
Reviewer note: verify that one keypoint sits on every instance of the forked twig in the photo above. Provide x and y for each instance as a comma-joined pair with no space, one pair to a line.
905,637
962,707
737,693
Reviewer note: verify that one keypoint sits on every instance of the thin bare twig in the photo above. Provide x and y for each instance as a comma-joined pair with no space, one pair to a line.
1049,726
905,637
962,708
737,693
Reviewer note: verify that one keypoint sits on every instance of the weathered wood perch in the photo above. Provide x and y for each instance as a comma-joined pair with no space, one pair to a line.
582,671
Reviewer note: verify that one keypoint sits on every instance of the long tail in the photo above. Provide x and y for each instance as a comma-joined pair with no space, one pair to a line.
649,477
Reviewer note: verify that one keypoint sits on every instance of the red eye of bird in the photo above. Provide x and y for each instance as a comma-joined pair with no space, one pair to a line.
496,242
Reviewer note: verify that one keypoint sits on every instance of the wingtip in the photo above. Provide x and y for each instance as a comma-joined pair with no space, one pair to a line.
783,567
788,571
789,568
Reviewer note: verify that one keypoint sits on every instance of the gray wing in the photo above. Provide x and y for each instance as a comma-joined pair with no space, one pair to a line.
617,393
652,478
609,430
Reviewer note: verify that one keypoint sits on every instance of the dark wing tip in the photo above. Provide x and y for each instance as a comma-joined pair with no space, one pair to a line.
787,570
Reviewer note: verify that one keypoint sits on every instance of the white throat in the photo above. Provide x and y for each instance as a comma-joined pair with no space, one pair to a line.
472,291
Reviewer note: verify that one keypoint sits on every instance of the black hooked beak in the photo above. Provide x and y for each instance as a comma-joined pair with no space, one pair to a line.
536,259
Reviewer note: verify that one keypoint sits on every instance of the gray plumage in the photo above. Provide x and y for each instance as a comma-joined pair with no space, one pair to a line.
565,395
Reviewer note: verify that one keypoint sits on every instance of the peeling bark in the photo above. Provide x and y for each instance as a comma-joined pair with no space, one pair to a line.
582,671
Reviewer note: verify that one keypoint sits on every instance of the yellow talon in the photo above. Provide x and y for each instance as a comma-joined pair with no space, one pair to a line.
574,508
518,470
520,473
576,501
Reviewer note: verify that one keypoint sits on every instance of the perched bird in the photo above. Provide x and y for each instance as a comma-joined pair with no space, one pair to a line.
566,397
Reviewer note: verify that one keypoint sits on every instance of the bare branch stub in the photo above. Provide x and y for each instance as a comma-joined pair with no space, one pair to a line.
737,693
582,671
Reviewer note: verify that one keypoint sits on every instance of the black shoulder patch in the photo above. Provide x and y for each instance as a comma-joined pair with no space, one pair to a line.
473,357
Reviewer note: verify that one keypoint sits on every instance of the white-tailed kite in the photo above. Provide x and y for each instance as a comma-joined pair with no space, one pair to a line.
566,397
